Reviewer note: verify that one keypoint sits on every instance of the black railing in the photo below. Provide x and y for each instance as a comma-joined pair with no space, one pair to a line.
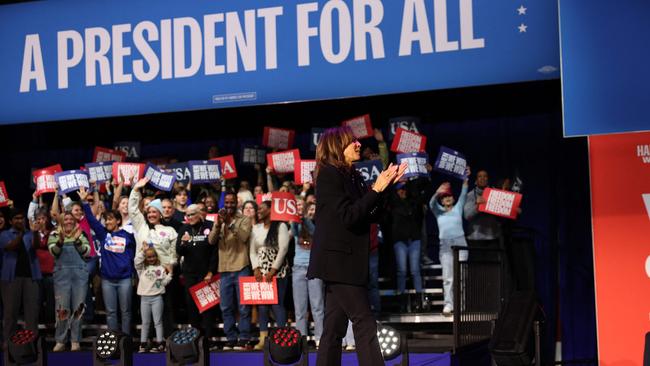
479,289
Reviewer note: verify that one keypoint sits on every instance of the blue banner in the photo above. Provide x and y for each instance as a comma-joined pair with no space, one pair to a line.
131,148
205,171
451,162
315,137
181,170
158,178
605,73
408,123
369,170
100,172
73,59
417,164
71,180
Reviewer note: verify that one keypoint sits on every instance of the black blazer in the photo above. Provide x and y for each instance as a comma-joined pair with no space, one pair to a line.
345,207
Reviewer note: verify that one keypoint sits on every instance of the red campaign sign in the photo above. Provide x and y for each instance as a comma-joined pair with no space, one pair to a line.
263,198
303,171
228,167
620,216
279,138
500,203
283,161
131,172
252,292
284,207
406,141
4,197
106,154
207,294
361,126
44,179
212,217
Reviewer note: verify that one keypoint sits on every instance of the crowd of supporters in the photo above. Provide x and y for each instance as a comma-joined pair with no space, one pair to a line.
134,252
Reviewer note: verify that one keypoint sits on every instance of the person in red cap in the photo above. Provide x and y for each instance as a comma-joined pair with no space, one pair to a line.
449,215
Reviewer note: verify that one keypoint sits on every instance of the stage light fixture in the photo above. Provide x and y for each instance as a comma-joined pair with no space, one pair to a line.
111,346
285,346
392,344
25,347
187,347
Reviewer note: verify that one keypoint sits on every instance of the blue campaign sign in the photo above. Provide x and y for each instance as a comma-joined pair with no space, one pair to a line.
158,178
451,162
369,170
408,123
100,172
71,180
417,164
72,59
204,171
605,73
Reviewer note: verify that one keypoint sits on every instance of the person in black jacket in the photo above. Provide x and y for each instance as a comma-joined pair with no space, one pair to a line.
345,207
200,262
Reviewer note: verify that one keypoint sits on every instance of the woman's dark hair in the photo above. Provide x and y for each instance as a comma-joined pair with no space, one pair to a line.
274,230
252,203
331,146
42,211
114,213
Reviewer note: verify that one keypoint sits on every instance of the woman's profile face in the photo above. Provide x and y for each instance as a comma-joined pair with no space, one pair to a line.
352,152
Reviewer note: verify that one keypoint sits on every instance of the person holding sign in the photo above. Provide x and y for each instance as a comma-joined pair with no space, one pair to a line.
449,216
69,246
484,230
118,252
268,250
340,251
199,264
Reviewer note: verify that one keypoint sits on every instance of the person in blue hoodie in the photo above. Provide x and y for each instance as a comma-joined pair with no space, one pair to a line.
116,269
449,215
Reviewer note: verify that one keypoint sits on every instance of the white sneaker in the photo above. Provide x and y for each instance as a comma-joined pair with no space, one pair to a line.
59,347
317,343
75,347
447,310
350,347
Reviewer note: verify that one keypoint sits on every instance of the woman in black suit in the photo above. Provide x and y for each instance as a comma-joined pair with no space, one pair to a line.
345,207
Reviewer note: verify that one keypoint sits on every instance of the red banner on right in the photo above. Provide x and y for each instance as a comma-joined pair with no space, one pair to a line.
620,211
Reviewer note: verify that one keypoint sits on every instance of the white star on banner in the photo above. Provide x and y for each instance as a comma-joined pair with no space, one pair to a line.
521,10
522,28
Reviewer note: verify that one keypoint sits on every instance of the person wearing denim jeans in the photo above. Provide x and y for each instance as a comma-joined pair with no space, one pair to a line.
118,252
449,216
231,232
406,213
68,245
306,291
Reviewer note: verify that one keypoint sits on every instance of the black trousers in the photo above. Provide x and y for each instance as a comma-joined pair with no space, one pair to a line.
204,321
343,302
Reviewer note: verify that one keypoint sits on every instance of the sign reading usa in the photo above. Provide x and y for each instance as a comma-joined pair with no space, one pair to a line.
106,58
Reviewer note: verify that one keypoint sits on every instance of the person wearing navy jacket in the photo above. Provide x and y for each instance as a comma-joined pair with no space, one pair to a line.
19,275
340,252
116,269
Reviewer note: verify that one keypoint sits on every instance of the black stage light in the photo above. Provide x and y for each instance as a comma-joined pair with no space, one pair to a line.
25,347
187,347
392,344
286,346
113,348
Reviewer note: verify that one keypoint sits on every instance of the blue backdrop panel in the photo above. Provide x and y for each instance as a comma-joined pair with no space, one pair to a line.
605,73
74,59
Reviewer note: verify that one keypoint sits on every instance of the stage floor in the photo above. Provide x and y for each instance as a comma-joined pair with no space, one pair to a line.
235,359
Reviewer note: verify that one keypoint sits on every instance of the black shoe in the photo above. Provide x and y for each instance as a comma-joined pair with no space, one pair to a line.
403,302
417,303
243,345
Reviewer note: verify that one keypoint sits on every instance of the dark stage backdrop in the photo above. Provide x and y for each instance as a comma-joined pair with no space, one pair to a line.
504,129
